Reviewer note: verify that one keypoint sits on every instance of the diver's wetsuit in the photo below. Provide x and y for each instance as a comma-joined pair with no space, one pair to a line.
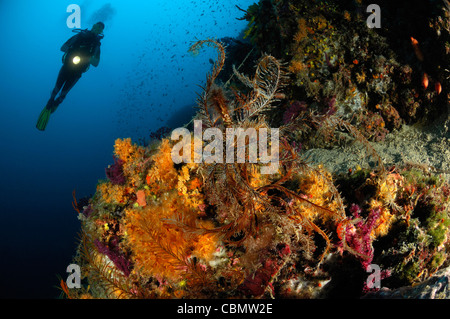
84,45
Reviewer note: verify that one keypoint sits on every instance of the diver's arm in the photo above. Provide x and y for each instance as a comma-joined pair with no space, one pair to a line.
95,59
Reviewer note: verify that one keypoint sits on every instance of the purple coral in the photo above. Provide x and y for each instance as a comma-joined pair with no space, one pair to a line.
358,237
115,172
293,111
331,103
113,252
87,211
256,283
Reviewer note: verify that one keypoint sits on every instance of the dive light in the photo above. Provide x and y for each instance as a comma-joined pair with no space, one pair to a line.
76,60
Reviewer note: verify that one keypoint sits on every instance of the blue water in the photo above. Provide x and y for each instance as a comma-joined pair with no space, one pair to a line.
146,79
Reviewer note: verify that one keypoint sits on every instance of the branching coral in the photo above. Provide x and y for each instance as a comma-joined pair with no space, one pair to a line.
359,235
229,186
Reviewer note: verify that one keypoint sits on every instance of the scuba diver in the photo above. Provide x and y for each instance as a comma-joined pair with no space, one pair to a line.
80,51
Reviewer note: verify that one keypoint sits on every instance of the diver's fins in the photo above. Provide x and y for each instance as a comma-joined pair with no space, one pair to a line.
43,119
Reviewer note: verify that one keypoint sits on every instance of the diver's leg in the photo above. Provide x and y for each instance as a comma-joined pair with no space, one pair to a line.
62,75
68,85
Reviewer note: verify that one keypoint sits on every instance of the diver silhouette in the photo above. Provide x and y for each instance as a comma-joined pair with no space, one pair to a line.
80,51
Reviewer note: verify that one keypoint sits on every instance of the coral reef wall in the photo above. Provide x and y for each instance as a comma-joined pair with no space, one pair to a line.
379,78
159,228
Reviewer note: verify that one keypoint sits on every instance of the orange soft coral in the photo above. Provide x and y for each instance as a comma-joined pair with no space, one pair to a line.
163,237
385,200
113,194
316,189
165,233
132,157
123,149
162,176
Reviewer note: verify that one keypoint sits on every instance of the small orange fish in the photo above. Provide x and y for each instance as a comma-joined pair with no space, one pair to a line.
438,87
425,81
414,42
340,230
417,51
355,61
